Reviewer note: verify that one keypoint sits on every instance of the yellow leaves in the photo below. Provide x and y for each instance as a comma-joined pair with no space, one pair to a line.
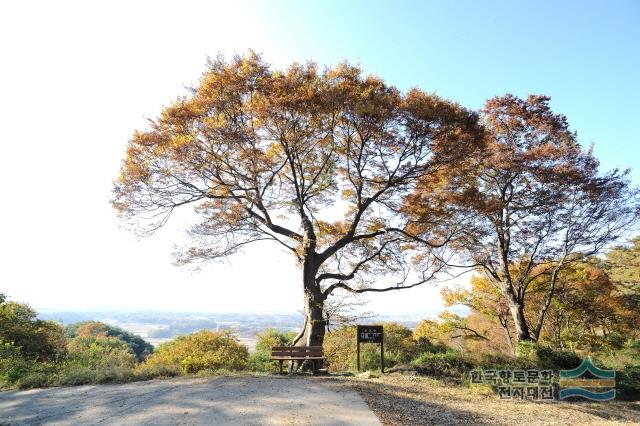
220,191
454,296
327,229
348,193
181,140
376,224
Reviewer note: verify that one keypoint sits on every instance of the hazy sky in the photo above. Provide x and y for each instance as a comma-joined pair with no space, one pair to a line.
76,78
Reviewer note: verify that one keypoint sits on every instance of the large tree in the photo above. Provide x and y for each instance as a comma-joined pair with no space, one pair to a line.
278,155
535,204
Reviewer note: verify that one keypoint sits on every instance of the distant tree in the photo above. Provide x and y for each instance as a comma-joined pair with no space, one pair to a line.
95,329
536,204
264,155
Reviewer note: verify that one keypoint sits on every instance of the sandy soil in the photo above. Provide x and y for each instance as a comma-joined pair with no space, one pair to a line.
212,401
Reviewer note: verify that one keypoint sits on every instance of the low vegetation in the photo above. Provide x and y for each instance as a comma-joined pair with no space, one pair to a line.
204,351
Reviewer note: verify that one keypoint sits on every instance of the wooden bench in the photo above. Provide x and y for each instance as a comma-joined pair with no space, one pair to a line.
298,353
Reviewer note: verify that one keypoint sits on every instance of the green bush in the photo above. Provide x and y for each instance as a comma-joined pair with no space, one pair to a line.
35,379
99,353
140,347
260,359
17,371
199,351
38,340
448,364
554,359
399,347
75,376
146,371
628,383
541,356
627,356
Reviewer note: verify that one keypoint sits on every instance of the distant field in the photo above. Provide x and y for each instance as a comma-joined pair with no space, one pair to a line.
159,327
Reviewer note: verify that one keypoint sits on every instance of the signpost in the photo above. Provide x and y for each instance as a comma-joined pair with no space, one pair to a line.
371,334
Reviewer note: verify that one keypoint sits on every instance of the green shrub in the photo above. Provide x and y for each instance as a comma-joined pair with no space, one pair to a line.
526,350
628,383
34,379
540,356
37,339
17,371
399,347
554,359
627,356
449,364
99,353
146,371
140,347
115,375
202,350
75,376
260,359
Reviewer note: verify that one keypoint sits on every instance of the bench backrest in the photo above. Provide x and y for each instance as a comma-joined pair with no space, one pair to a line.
297,351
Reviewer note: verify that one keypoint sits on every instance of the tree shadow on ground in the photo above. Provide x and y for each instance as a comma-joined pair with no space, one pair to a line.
417,403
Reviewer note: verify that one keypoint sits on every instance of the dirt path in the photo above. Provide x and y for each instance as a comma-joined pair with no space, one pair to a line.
219,400
402,400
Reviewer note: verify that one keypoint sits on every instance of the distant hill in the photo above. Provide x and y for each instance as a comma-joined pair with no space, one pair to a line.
158,327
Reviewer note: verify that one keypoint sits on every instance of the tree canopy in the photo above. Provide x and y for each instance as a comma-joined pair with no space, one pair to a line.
266,155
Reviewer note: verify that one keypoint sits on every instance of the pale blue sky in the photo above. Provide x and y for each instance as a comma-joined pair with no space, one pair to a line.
76,78
584,54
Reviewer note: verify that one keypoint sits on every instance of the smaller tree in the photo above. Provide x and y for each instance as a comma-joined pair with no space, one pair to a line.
535,204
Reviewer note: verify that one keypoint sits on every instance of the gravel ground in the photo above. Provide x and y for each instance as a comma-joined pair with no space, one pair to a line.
246,400
407,400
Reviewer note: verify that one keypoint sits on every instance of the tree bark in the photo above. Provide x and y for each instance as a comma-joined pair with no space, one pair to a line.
314,323
517,313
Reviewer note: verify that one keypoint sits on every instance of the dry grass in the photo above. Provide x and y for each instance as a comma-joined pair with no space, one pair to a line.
409,400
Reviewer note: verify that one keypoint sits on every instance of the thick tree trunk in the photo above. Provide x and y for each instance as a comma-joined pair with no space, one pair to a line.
314,322
517,312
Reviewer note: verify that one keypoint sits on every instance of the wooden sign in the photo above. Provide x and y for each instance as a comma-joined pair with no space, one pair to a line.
371,334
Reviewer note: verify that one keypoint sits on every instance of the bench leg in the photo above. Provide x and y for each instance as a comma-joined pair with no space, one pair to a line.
280,362
315,367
